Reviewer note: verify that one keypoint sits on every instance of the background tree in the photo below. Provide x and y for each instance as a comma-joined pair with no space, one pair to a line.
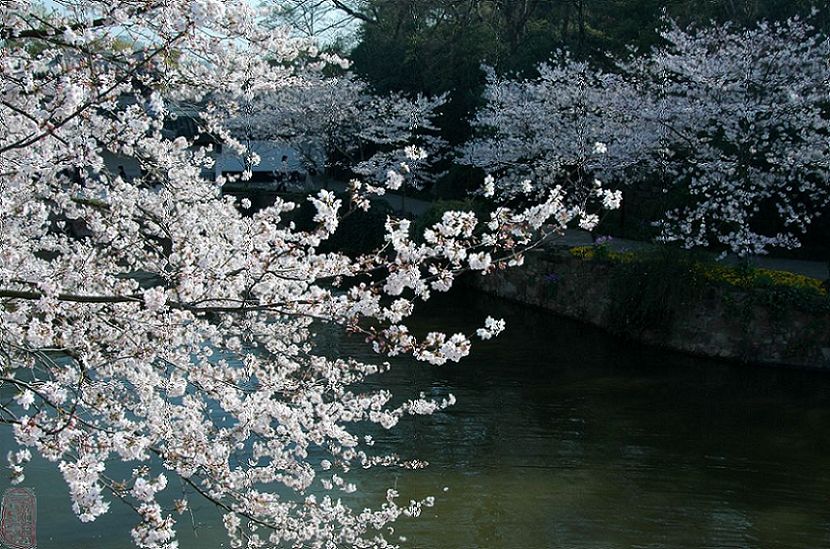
338,120
745,131
432,47
733,122
565,127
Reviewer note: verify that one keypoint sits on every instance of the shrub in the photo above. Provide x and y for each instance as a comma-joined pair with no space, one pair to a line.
647,290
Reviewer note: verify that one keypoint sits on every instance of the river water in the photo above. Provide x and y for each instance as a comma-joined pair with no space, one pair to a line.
566,437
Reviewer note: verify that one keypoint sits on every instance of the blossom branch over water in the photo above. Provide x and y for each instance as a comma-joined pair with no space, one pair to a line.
156,323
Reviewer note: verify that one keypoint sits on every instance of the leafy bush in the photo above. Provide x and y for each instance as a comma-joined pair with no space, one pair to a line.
647,290
752,278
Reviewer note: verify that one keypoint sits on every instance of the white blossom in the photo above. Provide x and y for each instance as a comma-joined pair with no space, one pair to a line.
155,298
491,329
738,118
489,186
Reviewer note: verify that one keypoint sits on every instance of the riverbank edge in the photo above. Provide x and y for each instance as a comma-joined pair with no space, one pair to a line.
718,322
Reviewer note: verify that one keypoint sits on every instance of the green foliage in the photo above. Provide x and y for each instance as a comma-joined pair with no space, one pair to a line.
426,48
603,253
457,182
648,290
779,291
780,298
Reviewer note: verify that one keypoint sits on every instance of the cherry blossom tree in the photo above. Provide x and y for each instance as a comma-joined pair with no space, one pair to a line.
159,326
736,120
563,127
340,119
742,125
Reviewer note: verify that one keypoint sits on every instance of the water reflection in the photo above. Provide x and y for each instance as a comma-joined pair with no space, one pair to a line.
566,437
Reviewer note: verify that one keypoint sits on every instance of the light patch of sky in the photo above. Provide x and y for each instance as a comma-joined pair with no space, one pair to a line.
316,19
326,24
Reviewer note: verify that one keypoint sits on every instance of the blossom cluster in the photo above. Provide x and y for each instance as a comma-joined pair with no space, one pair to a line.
739,120
334,120
560,128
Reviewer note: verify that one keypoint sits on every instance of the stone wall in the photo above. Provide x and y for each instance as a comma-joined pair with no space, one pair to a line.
719,322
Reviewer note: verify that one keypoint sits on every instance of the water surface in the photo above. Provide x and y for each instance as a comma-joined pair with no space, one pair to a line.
566,437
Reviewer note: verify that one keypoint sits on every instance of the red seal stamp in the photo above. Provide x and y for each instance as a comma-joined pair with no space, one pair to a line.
19,519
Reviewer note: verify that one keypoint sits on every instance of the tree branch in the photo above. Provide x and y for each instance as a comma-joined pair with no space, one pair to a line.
353,12
20,294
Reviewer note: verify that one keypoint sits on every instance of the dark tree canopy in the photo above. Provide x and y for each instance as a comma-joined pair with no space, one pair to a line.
436,46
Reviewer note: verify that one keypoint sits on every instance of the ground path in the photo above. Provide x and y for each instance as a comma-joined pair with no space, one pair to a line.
814,269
